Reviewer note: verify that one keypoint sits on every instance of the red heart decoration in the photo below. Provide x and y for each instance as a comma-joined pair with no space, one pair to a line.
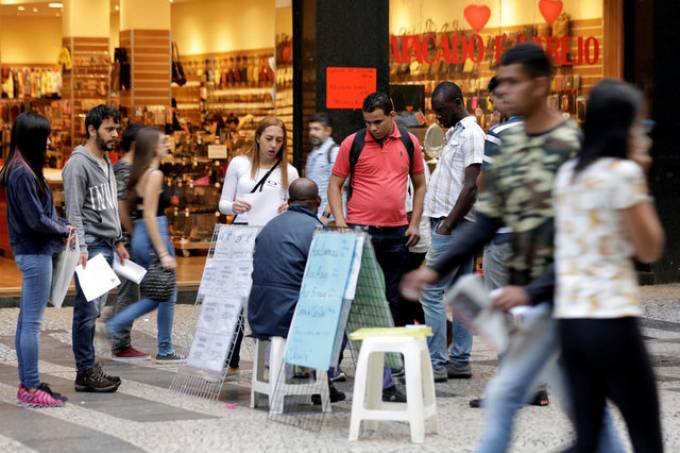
550,9
477,16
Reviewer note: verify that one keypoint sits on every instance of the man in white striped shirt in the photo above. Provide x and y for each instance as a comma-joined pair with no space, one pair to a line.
497,253
450,196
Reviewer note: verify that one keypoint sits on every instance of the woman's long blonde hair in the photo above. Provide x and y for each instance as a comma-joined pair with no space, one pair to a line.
282,154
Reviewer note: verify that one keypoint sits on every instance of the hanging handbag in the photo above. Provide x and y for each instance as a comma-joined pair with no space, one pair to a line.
178,75
260,183
159,283
63,269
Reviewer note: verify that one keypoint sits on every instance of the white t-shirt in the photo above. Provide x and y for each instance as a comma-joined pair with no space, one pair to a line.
423,245
464,147
595,274
238,182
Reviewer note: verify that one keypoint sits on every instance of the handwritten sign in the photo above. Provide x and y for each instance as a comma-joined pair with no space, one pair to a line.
314,333
224,289
346,88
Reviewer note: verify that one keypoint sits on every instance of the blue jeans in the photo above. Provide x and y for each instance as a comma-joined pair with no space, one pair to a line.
35,290
435,312
141,250
496,256
530,352
86,313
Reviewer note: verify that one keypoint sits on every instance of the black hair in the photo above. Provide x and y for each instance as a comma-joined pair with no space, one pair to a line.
96,116
321,117
611,111
232,119
28,146
448,90
173,103
493,84
378,100
532,57
129,136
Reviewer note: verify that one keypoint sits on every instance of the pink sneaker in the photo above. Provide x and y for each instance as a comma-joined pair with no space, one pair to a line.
39,398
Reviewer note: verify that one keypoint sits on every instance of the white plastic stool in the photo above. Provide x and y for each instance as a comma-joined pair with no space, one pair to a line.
420,408
267,387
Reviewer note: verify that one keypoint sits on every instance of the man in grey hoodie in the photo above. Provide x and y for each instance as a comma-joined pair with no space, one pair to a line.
92,208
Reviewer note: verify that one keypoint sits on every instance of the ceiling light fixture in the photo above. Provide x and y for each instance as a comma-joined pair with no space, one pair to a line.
20,8
56,5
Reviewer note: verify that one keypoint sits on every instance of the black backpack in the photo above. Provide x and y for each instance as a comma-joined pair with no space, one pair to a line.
358,147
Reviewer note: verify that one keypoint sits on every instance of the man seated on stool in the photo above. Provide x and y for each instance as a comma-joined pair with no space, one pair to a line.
279,262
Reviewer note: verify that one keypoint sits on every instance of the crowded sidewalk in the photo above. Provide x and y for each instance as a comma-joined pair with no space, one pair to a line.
145,416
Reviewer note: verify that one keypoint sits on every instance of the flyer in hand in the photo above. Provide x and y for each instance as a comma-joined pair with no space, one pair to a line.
471,303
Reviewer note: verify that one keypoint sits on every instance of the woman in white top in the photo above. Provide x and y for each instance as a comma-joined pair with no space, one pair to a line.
605,217
257,172
265,168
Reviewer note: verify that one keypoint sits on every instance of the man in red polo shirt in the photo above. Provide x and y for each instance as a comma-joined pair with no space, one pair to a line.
378,188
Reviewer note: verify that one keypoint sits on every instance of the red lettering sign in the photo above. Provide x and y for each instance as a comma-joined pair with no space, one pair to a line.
455,48
346,88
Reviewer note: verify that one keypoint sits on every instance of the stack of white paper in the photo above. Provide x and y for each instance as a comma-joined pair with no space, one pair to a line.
129,270
97,278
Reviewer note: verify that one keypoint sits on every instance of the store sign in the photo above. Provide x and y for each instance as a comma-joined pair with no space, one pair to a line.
456,48
346,88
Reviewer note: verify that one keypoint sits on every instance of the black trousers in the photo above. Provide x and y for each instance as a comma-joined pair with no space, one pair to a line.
607,359
389,244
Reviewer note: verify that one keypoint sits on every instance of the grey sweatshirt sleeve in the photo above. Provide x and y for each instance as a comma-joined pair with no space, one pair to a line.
75,190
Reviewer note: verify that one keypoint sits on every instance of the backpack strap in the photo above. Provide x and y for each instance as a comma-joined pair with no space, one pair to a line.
408,144
354,153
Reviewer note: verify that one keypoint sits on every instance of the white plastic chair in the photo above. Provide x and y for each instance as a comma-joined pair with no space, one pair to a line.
420,409
276,395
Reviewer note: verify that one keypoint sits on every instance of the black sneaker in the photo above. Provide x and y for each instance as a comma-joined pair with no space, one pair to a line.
455,371
476,403
56,395
335,395
393,395
95,380
169,358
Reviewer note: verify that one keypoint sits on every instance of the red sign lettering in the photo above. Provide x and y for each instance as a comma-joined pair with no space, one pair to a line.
455,48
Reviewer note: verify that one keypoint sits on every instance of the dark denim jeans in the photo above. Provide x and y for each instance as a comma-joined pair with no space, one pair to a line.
389,244
86,313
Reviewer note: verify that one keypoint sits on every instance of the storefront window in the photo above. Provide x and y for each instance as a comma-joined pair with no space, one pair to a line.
462,41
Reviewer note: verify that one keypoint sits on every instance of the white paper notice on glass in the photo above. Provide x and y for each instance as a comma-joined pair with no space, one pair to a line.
129,270
97,278
264,206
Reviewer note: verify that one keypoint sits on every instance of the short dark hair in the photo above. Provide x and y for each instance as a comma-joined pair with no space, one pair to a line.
448,90
321,117
96,116
493,84
232,119
129,136
378,100
532,57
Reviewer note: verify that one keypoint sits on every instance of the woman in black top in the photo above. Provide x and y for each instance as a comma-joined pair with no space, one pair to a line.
150,237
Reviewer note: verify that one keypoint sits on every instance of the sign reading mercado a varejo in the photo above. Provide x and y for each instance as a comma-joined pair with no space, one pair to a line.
456,47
